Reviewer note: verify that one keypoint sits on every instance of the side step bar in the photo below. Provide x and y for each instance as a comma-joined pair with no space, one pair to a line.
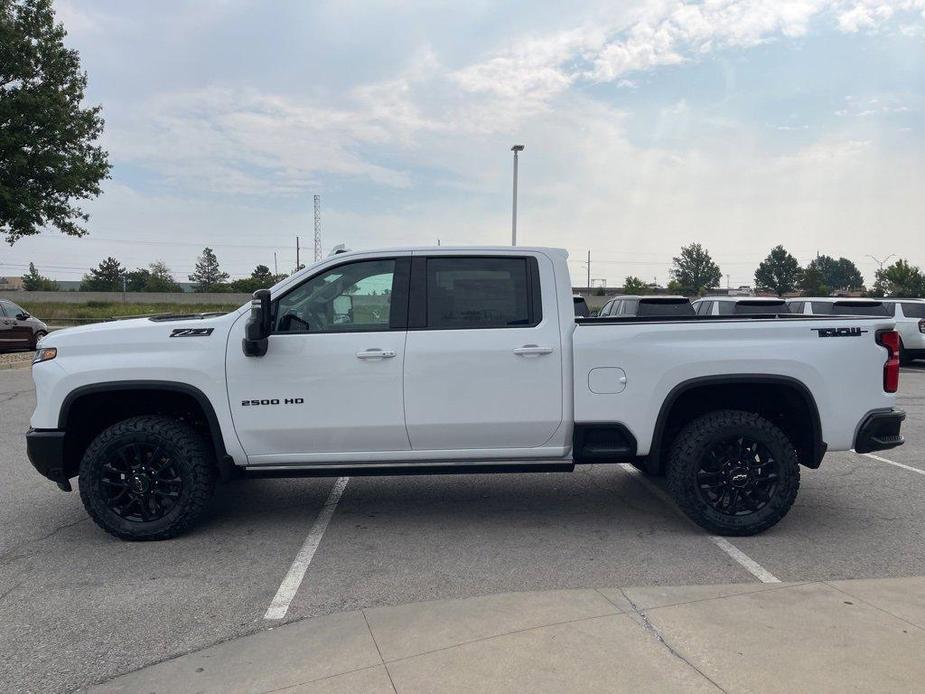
383,469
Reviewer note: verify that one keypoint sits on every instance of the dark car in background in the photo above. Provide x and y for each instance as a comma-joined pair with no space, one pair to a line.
647,306
18,329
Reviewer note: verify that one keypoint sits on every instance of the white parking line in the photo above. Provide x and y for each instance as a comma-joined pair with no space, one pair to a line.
893,462
287,589
736,554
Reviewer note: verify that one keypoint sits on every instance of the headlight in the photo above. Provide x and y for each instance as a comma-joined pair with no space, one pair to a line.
44,354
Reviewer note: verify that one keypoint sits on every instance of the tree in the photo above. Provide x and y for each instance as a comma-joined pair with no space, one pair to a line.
161,279
155,278
261,278
779,272
634,285
694,270
811,282
48,155
106,277
900,279
34,282
208,276
838,274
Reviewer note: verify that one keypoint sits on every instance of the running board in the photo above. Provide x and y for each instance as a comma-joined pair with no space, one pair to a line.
382,469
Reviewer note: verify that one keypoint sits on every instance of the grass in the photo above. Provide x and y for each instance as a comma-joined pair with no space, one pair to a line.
100,310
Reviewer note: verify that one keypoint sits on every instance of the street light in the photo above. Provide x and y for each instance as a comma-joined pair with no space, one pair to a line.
881,262
515,149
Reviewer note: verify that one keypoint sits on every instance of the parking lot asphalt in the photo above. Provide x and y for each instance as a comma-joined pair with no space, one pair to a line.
78,607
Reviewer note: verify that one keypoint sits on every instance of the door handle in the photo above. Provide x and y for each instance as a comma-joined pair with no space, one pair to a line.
532,349
376,353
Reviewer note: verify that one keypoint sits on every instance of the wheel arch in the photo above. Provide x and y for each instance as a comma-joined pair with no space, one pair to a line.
761,393
170,396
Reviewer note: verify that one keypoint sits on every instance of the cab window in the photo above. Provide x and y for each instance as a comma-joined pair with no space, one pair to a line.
354,297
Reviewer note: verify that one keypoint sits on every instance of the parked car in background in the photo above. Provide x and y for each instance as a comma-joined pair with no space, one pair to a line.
647,306
838,306
910,324
18,329
581,306
741,306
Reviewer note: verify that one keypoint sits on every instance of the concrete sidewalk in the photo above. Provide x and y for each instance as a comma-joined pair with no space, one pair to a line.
866,635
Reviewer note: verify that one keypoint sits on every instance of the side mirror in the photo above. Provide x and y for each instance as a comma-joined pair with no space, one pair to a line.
257,329
23,316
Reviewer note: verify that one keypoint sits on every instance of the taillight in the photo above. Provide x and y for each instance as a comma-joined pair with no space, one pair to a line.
890,340
922,326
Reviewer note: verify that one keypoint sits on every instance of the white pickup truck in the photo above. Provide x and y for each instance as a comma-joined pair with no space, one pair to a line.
442,360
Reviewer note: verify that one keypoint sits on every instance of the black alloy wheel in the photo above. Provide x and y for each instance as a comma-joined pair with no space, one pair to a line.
738,476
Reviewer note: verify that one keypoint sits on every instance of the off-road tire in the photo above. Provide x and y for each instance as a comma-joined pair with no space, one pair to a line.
194,461
694,442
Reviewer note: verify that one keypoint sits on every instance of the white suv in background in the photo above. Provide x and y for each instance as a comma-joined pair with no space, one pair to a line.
910,324
740,306
838,306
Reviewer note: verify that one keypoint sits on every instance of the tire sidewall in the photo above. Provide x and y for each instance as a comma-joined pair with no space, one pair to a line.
93,495
684,470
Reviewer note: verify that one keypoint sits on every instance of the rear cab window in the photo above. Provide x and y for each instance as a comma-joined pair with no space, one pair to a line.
463,292
661,307
859,308
762,308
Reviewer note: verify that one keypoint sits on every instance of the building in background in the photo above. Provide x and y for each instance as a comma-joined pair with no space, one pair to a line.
10,284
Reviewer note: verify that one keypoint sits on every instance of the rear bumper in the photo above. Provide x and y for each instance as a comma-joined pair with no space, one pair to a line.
879,430
45,448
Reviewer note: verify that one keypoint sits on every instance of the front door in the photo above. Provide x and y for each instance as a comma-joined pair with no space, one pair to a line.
331,380
13,332
483,362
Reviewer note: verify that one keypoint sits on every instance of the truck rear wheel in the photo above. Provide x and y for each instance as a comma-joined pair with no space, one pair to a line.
733,472
147,478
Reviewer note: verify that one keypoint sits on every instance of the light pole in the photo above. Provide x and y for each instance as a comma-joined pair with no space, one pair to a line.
515,149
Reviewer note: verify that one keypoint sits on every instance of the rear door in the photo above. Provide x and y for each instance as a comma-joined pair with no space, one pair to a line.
483,357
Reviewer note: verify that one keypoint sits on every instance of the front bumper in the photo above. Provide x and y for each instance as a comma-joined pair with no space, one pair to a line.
45,448
880,430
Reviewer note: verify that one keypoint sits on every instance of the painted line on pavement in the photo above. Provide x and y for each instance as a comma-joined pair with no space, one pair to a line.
736,554
893,462
290,585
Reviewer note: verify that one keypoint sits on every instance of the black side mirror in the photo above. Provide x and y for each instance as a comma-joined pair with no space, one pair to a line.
258,328
22,316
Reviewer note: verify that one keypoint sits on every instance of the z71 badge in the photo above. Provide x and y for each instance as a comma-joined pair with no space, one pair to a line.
839,332
191,332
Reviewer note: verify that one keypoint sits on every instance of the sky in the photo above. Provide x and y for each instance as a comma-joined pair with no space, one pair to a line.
647,125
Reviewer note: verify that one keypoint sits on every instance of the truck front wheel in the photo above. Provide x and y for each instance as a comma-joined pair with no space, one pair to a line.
733,472
147,478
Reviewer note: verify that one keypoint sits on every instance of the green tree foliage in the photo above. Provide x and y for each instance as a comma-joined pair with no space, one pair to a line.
261,278
161,279
48,155
779,272
694,270
106,277
837,274
634,285
154,278
34,282
812,284
208,276
900,279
